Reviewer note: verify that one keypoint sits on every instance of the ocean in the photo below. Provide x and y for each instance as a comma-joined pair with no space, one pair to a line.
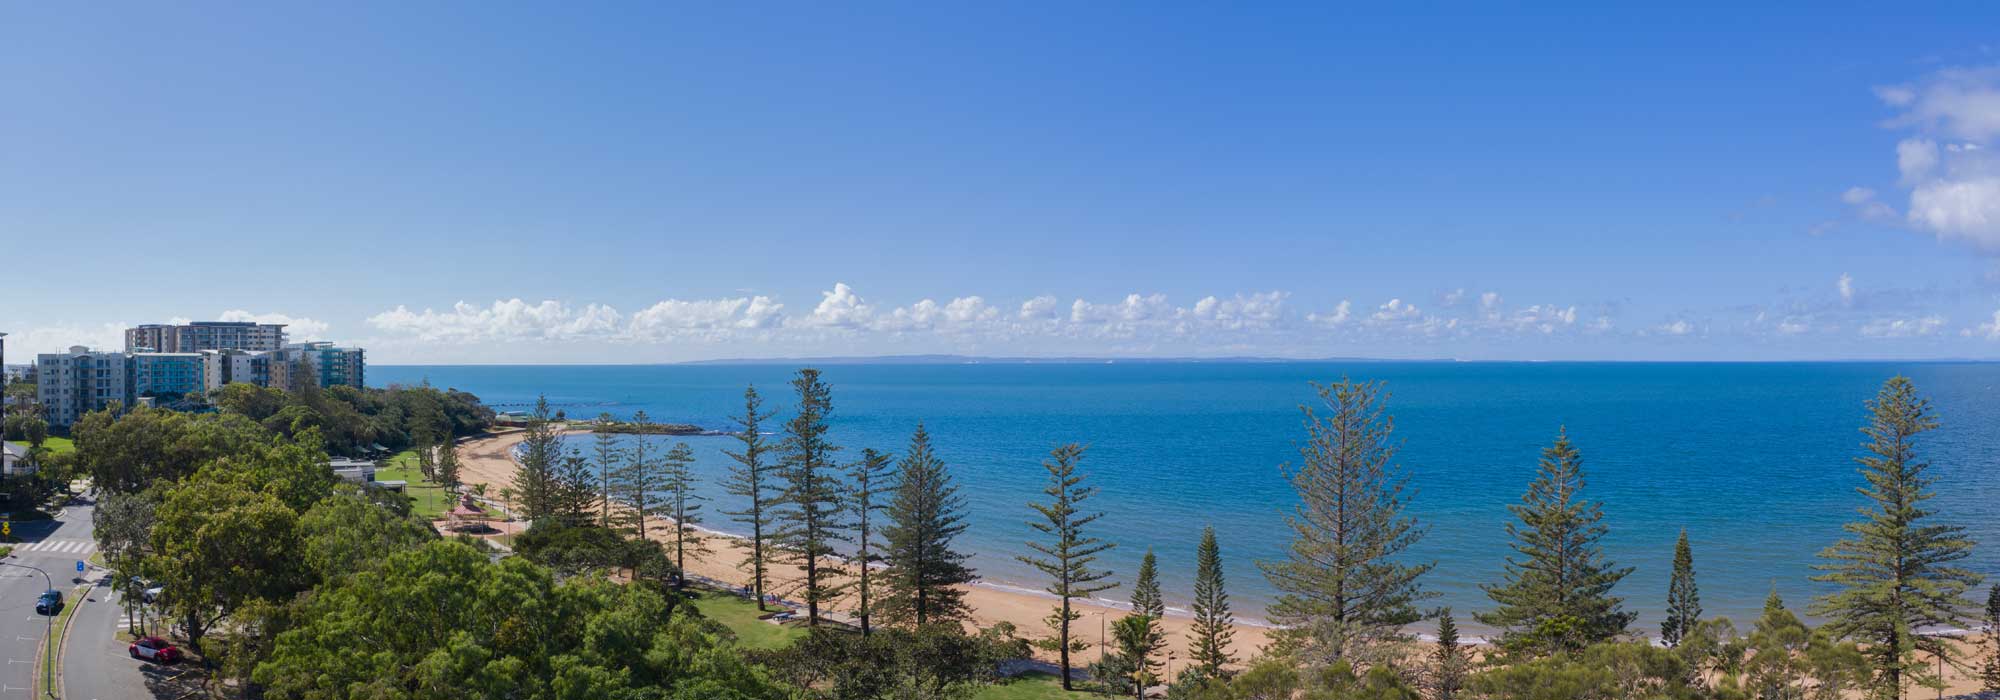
1755,461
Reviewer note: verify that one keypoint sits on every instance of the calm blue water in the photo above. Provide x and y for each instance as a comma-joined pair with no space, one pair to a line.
1755,460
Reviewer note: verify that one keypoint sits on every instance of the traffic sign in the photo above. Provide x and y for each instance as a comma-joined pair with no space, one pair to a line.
79,566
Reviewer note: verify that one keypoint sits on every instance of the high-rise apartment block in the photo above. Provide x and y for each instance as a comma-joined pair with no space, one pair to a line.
205,335
71,384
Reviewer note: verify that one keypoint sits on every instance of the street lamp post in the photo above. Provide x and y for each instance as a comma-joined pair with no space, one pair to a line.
49,584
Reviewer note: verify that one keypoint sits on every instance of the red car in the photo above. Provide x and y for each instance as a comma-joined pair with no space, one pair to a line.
155,649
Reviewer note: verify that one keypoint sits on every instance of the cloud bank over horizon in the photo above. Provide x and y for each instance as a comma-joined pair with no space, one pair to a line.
1453,323
1846,318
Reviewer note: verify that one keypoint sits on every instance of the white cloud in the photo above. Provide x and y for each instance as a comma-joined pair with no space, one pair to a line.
1133,309
1956,102
960,314
511,319
1966,209
1395,310
23,346
1989,331
297,329
1896,95
969,310
1260,310
1338,316
1902,327
1866,206
1954,180
1489,306
842,322
1915,159
839,308
1041,308
1398,316
1544,319
704,318
761,313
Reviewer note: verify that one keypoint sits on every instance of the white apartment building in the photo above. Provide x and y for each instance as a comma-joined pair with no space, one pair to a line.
70,384
220,367
206,335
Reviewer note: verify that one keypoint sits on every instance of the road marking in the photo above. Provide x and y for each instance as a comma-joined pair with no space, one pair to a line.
59,547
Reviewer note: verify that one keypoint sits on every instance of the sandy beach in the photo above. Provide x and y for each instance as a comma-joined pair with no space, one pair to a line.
488,461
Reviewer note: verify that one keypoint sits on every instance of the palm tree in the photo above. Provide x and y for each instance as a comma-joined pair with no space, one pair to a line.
507,498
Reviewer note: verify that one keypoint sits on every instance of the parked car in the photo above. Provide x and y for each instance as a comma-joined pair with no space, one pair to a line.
152,594
156,650
50,603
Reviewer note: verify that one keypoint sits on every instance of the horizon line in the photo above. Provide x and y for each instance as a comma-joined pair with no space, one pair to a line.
936,359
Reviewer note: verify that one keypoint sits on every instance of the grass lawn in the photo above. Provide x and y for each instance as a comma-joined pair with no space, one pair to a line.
427,499
59,445
1029,686
740,616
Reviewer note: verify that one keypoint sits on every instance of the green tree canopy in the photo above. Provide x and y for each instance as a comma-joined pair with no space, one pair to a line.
1069,557
810,520
1557,595
925,515
347,533
1683,599
1897,570
444,621
220,545
126,453
1214,625
1345,585
751,478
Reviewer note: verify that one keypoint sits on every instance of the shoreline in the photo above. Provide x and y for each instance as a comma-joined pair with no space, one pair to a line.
489,460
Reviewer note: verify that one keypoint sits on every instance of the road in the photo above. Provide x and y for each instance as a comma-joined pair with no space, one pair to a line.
51,547
96,665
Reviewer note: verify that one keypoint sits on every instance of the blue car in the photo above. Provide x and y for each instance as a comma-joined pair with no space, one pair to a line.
50,603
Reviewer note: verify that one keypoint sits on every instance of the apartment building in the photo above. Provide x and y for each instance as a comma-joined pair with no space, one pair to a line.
70,384
206,335
220,367
157,375
329,364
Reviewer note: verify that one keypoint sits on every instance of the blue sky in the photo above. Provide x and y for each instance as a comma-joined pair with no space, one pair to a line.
479,182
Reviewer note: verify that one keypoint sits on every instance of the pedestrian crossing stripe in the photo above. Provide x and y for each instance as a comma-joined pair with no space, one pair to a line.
58,546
